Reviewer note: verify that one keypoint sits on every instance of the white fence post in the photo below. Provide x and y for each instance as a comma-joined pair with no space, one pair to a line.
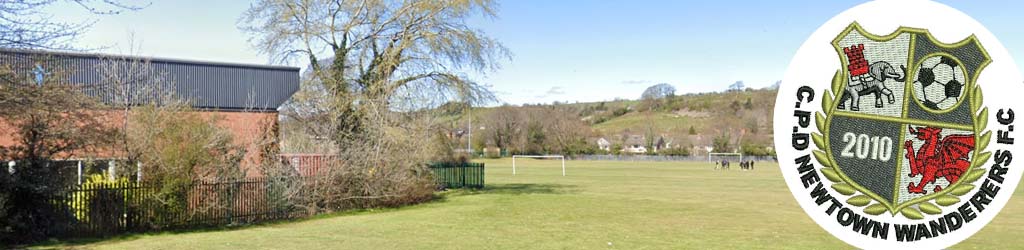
513,165
79,172
112,169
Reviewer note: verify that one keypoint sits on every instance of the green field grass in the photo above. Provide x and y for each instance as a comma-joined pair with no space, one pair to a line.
599,205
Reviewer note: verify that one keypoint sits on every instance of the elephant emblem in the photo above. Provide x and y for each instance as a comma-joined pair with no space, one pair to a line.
872,82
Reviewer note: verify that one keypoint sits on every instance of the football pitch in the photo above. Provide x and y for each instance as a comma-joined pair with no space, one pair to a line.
599,205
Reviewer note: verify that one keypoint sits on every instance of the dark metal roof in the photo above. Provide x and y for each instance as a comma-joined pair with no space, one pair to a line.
207,85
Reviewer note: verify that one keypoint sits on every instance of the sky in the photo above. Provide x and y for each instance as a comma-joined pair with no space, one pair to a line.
566,50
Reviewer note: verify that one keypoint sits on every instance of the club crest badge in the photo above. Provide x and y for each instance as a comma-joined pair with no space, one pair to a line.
895,129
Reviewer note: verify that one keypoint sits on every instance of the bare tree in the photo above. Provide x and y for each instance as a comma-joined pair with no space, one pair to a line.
537,129
503,126
129,80
378,71
24,24
308,119
49,119
737,86
173,146
658,91
657,96
379,51
566,133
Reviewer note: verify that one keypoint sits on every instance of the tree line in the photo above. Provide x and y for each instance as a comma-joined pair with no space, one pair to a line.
534,130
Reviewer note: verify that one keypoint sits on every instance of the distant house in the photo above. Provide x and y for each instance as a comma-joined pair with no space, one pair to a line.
635,145
604,144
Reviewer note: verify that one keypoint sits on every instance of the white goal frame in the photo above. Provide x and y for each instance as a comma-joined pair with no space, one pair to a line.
537,156
712,154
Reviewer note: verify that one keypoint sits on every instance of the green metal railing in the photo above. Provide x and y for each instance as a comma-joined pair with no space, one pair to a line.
458,175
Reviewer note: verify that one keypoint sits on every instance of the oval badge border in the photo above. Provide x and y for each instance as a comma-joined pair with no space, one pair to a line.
815,64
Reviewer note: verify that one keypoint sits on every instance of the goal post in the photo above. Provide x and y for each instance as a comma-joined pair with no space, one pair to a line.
538,157
719,155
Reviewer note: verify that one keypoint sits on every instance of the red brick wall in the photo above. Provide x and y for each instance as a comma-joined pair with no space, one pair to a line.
309,164
245,127
5,134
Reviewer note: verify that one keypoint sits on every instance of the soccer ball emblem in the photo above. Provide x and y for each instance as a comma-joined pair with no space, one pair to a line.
939,84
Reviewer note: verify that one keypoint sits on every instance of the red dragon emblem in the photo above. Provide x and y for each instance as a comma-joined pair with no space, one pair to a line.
938,157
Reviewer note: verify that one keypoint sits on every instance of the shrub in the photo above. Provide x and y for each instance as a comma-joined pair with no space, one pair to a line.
492,154
46,119
384,166
178,147
620,112
616,149
755,150
580,147
679,151
721,143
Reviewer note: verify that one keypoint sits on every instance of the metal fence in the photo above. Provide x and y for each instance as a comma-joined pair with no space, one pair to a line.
117,207
703,158
103,209
458,175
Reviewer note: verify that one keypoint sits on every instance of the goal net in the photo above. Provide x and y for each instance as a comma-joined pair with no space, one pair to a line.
538,157
735,158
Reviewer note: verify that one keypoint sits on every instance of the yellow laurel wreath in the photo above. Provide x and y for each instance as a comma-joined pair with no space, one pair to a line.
931,206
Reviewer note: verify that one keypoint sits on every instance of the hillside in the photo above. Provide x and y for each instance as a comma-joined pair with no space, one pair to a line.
739,119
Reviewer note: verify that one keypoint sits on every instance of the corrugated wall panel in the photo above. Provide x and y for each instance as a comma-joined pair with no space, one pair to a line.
205,84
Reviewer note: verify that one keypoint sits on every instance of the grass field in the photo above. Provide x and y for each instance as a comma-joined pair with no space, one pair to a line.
599,205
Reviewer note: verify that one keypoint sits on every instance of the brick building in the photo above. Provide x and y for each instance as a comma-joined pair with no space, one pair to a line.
241,95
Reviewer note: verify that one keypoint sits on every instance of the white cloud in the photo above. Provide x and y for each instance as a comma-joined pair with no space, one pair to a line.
635,82
556,91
